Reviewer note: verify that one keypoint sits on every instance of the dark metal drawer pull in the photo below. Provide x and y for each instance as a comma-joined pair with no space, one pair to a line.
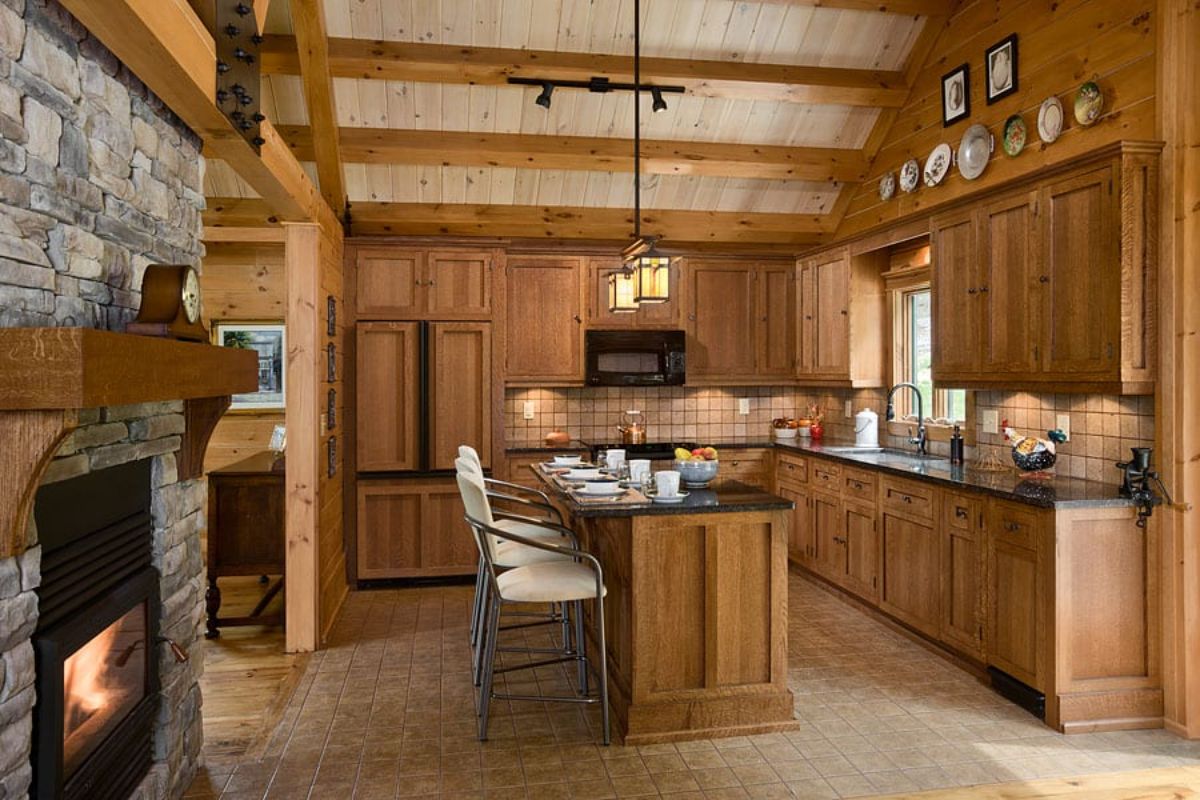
960,512
1012,526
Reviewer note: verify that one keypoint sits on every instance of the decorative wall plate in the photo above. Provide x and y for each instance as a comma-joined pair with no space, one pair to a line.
1050,119
910,176
887,186
938,164
1015,134
974,151
1089,102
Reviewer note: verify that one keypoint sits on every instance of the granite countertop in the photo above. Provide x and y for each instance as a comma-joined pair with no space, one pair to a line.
721,497
1053,492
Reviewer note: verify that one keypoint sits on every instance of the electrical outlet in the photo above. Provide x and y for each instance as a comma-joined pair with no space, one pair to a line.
744,406
991,421
849,409
527,409
1063,423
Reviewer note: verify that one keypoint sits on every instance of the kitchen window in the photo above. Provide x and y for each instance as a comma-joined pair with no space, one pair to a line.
912,337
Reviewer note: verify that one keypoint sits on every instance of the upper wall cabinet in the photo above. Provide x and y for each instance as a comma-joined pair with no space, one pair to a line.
415,283
1053,286
741,322
648,316
544,341
841,310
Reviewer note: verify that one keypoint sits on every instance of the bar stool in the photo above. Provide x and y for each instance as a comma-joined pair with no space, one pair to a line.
513,554
570,579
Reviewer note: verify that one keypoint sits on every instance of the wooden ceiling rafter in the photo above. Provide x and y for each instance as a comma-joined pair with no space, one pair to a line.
546,222
312,42
603,154
436,63
166,45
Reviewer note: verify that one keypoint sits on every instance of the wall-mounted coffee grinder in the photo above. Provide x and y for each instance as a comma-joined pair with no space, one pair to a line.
1138,483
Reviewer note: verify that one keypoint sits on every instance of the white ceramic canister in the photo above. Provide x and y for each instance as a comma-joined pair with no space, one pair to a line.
866,428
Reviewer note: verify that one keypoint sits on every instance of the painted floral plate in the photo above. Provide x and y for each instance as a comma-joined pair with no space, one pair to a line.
938,164
1015,135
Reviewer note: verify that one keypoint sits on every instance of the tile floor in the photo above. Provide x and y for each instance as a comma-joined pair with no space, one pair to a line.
387,711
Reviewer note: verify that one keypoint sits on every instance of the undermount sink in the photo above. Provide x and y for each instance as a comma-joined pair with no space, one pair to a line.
851,449
898,455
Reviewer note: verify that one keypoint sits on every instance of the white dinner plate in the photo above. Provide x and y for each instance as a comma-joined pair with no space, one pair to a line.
584,474
1050,119
601,489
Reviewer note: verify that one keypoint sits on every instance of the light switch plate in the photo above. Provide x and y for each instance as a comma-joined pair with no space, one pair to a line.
1063,423
849,409
527,409
744,406
991,421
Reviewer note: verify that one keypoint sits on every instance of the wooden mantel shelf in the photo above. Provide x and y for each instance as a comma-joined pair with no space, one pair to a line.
47,375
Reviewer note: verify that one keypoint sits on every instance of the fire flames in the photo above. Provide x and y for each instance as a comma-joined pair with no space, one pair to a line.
84,686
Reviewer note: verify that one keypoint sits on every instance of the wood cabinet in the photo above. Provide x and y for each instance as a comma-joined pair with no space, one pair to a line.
396,283
800,538
860,531
544,342
1051,286
412,528
963,571
841,319
1015,624
388,402
648,316
775,322
721,320
750,465
828,535
393,359
911,565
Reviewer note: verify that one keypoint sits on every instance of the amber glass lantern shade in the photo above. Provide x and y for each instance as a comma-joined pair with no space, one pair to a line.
621,290
653,277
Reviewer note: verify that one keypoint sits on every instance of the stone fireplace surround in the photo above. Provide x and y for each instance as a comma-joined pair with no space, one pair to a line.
97,180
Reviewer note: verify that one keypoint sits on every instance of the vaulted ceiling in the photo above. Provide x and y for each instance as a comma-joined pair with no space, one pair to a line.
402,108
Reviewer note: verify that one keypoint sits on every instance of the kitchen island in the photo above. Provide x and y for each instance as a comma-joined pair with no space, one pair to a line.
696,611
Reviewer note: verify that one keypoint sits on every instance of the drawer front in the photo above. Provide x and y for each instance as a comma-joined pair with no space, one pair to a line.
859,485
904,497
791,469
1013,524
827,476
960,511
747,466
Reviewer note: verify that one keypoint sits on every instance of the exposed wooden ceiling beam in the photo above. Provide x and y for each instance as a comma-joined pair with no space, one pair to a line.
312,42
924,8
461,149
166,45
436,63
547,222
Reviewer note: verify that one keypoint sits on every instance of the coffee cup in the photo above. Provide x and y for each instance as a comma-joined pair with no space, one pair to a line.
667,482
614,459
639,470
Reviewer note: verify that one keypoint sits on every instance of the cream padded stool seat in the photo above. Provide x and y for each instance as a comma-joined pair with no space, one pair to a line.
556,582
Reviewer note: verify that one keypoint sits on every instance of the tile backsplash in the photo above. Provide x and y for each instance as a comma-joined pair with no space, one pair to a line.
1103,428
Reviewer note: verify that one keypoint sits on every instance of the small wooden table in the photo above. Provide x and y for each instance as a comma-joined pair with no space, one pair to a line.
245,533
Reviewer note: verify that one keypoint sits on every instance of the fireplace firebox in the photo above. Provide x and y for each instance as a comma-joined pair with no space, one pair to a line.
95,643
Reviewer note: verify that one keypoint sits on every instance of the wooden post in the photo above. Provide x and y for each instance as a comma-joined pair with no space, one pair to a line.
302,270
1178,427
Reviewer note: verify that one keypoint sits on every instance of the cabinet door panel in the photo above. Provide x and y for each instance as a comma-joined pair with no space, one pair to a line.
910,589
459,285
862,550
545,330
721,320
831,350
800,544
956,304
447,544
829,535
776,326
388,403
963,560
390,284
1008,249
389,526
1081,276
807,303
460,391
1012,612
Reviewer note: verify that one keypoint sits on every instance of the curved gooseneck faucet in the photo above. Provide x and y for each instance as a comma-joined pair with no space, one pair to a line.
919,440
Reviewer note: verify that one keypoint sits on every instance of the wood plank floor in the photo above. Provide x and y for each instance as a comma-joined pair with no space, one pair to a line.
248,678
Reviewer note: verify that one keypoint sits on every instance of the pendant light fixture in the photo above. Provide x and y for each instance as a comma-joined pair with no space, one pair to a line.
645,268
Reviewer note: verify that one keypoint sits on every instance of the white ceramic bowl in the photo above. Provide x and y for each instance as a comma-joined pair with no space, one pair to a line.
568,461
696,474
602,488
785,433
587,474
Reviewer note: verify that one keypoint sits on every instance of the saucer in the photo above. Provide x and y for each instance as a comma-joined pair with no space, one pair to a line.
675,498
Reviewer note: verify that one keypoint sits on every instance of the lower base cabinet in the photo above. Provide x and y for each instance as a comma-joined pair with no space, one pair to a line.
830,557
964,562
413,528
860,530
800,539
1015,629
911,567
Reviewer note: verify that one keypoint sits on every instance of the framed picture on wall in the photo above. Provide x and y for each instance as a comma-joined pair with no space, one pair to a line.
268,339
1001,64
956,95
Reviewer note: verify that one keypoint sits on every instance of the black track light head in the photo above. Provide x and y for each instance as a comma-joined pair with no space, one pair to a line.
659,103
543,99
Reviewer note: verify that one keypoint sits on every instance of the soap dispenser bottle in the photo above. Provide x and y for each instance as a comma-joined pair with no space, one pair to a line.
957,449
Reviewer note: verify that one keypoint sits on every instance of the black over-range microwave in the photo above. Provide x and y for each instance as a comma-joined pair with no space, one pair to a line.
635,358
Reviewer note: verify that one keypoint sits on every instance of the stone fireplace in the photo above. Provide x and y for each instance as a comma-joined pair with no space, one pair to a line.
98,179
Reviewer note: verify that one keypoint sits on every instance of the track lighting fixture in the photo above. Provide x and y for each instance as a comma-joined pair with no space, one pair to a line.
659,103
543,99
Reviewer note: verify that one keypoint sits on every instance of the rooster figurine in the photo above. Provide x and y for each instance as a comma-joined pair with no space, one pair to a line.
1031,454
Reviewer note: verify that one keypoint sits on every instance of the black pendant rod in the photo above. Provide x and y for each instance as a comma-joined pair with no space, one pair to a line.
637,119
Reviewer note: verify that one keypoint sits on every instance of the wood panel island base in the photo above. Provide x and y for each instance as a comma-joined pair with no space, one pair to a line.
696,612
